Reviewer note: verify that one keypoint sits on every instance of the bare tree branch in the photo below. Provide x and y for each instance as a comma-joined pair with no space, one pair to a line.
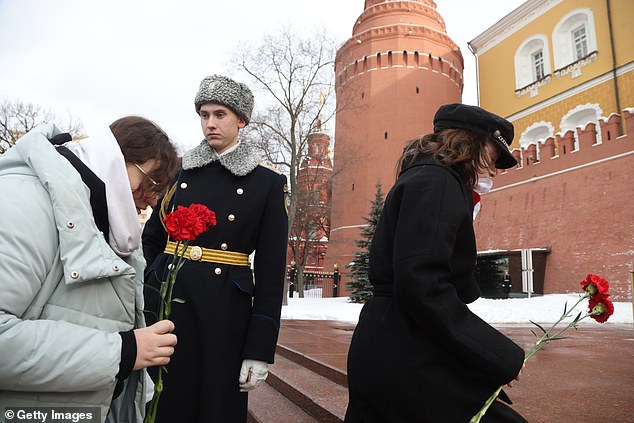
293,72
294,75
18,118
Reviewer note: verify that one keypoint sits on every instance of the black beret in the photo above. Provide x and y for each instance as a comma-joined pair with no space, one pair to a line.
463,116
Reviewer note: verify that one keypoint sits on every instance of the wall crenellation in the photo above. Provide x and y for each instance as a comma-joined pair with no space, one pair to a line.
558,153
401,59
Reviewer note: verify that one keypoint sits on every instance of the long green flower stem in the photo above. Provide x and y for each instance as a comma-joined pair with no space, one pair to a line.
541,342
485,407
165,309
546,338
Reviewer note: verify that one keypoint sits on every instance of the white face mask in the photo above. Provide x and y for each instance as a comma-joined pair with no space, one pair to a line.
483,185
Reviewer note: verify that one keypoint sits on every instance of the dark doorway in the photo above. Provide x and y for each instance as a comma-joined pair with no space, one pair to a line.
490,271
499,274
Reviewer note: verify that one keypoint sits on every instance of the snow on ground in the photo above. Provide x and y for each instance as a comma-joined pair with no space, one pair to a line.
541,309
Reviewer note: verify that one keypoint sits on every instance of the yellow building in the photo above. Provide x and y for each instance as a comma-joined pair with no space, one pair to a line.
554,65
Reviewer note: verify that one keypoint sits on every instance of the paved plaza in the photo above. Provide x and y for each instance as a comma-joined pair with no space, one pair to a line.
588,377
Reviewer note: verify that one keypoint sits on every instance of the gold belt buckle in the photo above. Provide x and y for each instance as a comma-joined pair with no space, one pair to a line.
196,253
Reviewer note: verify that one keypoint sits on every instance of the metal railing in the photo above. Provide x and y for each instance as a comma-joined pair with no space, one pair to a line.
316,284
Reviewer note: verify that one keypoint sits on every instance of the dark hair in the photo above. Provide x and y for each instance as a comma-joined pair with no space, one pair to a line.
461,149
141,140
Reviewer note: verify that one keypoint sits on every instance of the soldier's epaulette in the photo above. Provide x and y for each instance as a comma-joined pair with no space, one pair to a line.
268,166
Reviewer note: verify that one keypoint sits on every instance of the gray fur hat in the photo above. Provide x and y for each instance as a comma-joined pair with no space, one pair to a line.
222,90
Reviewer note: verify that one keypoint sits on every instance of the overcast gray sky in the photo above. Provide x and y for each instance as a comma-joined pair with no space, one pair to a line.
98,60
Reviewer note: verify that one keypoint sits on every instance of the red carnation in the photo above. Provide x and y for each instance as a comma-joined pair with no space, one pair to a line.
180,224
600,308
186,223
594,285
206,216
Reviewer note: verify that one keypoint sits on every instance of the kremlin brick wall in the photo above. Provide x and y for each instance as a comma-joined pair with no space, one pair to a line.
579,204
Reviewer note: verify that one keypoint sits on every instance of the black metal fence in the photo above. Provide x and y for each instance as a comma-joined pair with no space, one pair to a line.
316,284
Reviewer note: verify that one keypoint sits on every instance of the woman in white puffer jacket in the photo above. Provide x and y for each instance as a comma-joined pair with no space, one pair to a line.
72,332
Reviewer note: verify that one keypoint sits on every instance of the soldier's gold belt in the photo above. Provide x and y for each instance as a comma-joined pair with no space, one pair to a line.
196,253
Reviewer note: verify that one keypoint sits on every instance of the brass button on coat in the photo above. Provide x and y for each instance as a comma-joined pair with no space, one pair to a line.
231,218
183,185
223,246
240,191
217,270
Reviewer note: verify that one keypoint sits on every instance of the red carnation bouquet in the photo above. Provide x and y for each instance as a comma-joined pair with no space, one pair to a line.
182,225
600,308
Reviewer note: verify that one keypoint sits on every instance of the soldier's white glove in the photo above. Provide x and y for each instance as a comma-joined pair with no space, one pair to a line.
252,373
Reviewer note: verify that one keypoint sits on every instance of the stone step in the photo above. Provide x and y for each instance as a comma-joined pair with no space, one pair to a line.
266,405
319,396
308,382
321,368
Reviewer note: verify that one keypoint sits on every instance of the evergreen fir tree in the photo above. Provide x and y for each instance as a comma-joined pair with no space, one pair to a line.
360,285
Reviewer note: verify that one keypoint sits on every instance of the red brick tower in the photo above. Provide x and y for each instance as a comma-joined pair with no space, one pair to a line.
394,72
311,229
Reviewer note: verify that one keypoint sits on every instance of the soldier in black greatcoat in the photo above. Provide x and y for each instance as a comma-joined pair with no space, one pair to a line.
228,324
418,354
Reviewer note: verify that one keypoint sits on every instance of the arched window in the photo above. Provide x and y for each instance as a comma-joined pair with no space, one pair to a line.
536,133
574,37
580,116
532,61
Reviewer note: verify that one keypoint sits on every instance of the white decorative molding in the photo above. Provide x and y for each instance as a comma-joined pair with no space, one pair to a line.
348,227
511,23
542,124
416,3
574,69
534,133
559,172
570,122
581,108
533,89
608,76
405,26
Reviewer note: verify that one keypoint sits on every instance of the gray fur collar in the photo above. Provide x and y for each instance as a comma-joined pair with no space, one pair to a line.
240,161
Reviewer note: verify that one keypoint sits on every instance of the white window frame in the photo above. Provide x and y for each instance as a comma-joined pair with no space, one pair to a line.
525,73
564,48
583,42
538,65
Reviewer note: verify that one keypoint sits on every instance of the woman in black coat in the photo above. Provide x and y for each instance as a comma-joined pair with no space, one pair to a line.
418,353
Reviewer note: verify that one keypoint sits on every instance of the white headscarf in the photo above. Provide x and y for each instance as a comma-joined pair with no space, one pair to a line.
101,153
